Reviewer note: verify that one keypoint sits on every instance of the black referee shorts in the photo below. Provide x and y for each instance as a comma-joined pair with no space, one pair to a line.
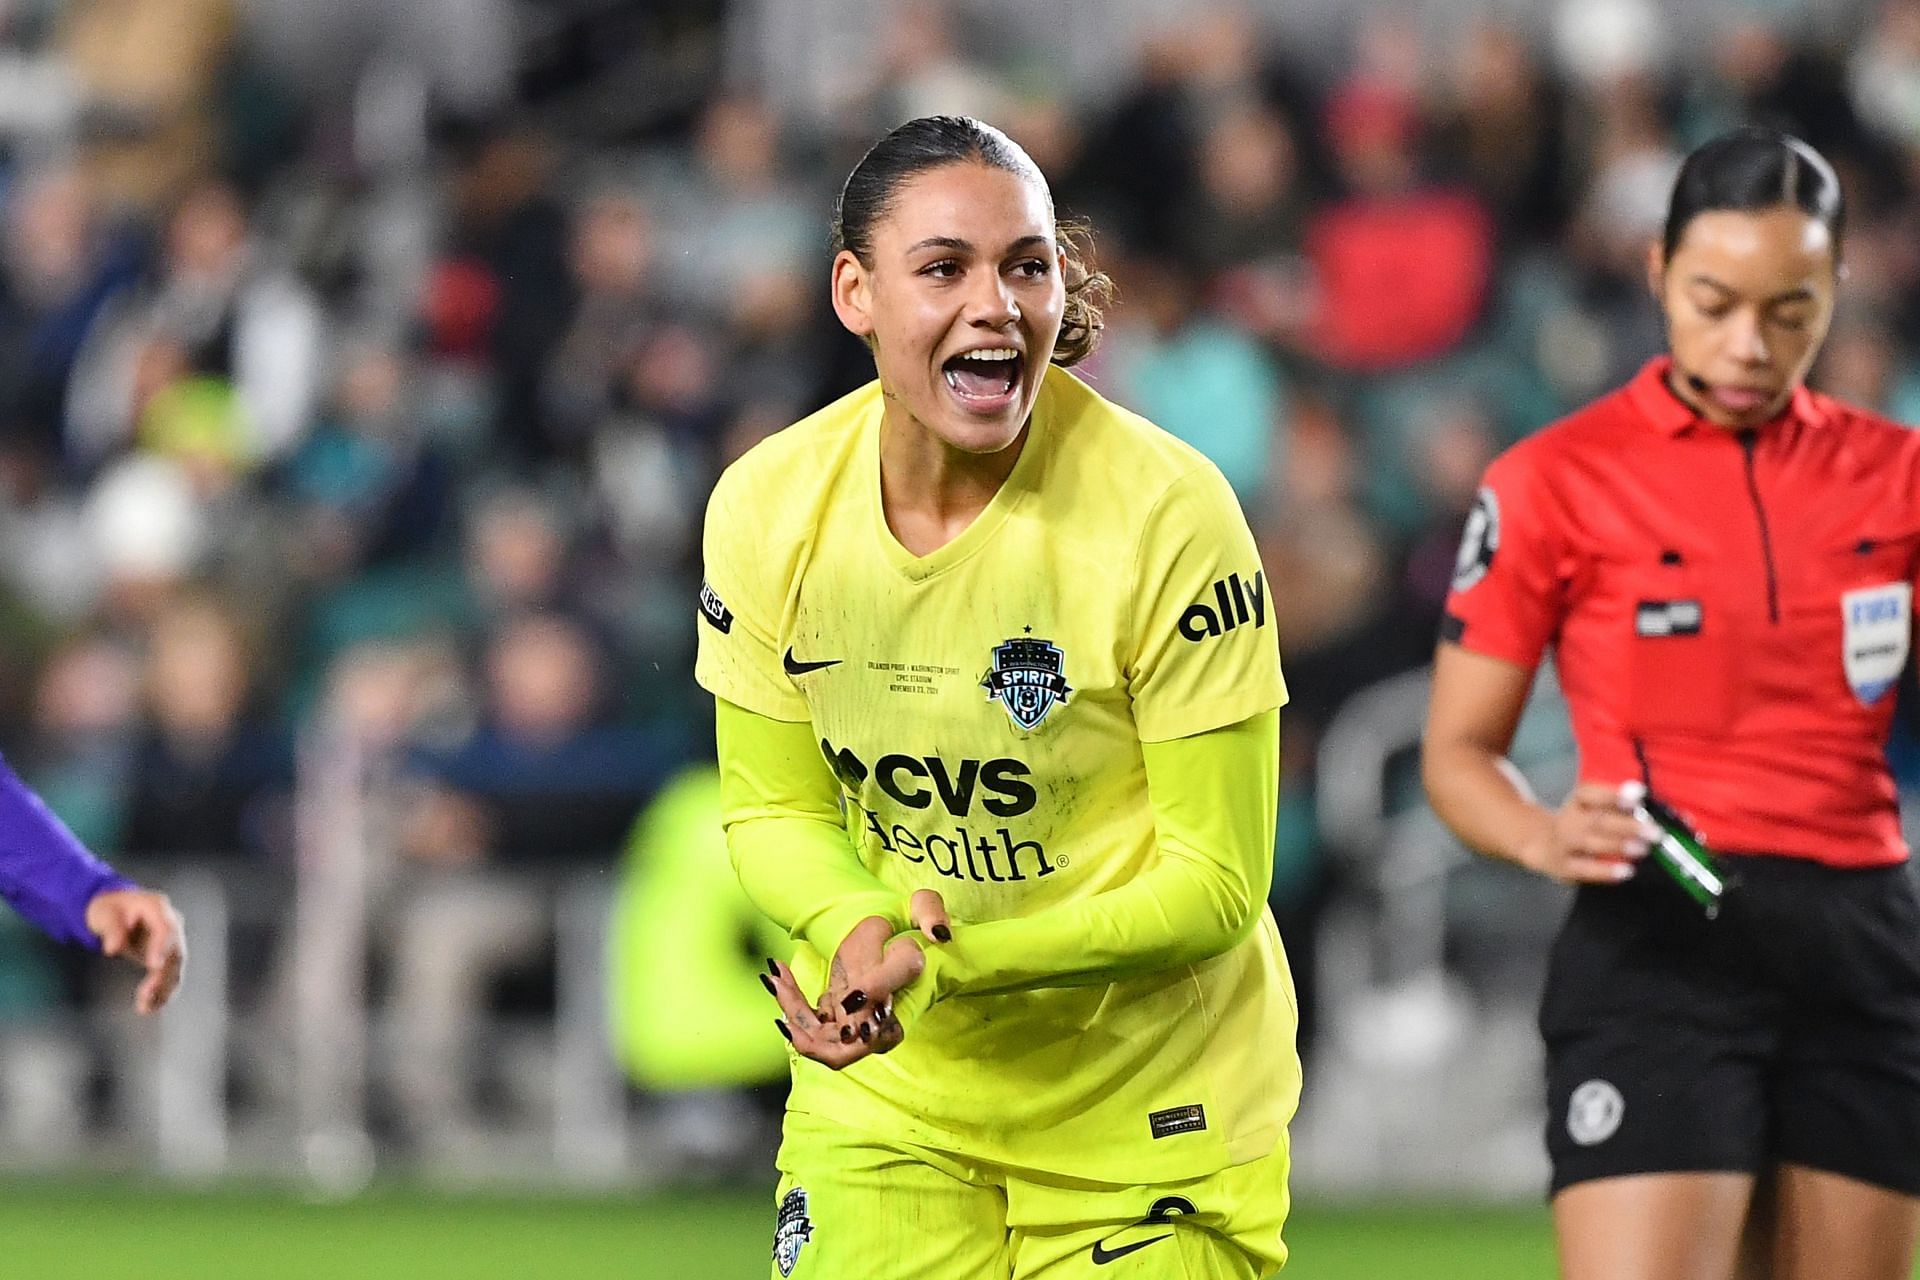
1786,1030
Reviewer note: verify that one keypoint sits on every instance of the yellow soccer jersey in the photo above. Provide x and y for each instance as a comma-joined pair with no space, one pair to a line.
984,709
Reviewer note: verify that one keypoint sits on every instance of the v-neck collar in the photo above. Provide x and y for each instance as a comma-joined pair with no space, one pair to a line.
1013,490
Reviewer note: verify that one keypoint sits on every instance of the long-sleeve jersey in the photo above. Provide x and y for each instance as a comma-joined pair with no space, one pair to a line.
1065,721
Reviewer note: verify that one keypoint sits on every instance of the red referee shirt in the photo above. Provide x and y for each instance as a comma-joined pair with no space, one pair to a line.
1729,611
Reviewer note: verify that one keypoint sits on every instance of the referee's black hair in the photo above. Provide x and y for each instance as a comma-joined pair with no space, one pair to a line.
1751,169
933,141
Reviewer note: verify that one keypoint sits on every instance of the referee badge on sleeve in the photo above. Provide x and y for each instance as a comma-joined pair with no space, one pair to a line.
1478,541
1878,622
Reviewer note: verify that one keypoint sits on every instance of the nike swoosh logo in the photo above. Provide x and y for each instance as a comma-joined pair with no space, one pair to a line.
795,667
1103,1255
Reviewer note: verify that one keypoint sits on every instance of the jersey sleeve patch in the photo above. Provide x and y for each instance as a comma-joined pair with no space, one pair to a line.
1479,541
1205,652
714,611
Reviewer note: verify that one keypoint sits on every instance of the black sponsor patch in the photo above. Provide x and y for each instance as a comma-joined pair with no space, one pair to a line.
1234,602
714,611
1656,618
1177,1120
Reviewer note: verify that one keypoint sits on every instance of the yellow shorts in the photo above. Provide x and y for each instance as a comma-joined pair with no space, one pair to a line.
851,1204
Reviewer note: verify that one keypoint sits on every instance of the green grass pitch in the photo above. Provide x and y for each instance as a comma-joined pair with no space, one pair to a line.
57,1231
53,1231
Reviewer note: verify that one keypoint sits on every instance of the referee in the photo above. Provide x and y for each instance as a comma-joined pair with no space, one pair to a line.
1723,563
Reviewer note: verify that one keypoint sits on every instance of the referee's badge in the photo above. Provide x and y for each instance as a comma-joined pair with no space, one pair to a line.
1594,1113
1028,679
1478,541
1878,621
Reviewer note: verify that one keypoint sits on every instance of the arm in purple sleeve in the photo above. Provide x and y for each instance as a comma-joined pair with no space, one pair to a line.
45,873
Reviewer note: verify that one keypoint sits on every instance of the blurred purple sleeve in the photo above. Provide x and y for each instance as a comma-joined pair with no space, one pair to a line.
45,873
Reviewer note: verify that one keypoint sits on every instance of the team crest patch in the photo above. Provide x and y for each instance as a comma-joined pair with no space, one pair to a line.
1026,679
1879,621
792,1231
1478,541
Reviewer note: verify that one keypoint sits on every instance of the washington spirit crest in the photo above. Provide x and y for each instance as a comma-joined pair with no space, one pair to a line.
1026,679
792,1231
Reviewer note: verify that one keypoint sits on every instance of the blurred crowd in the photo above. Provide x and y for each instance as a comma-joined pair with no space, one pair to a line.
375,388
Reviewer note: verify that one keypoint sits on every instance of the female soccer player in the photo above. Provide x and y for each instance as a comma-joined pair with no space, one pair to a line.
993,658
1723,562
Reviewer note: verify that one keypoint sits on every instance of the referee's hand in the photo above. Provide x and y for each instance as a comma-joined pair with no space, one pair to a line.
1593,838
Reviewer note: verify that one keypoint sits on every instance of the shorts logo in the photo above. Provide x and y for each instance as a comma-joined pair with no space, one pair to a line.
1026,678
793,1230
714,612
1163,1212
1594,1113
1478,541
1879,621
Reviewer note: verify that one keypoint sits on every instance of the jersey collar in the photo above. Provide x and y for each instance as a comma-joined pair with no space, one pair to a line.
1669,414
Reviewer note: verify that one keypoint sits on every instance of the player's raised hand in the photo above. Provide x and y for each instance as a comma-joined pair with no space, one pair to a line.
143,926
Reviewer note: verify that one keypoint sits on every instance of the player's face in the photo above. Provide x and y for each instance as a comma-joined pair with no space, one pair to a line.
963,300
1748,297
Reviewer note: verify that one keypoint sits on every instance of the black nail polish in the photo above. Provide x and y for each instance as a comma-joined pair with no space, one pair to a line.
783,1030
773,966
942,934
846,1035
855,1001
866,1032
767,982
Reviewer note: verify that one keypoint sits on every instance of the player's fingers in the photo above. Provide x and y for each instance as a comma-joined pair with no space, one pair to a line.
929,913
160,924
858,953
162,980
113,933
888,1035
800,1014
823,1044
903,962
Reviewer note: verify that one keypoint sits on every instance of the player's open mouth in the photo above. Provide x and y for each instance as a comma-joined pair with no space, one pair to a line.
986,380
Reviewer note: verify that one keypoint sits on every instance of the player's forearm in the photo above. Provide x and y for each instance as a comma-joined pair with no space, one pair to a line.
779,805
1176,914
803,875
45,873
1482,798
1215,796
